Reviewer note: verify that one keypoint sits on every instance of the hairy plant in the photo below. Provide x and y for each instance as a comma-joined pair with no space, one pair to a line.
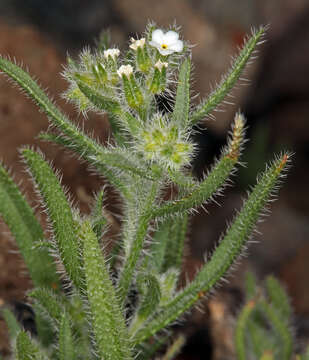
264,328
150,152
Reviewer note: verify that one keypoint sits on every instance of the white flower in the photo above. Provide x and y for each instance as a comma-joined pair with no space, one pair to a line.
126,70
113,53
137,43
166,43
160,65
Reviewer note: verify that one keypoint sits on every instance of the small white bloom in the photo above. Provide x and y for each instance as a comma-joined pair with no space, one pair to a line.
160,65
113,53
166,43
126,70
137,43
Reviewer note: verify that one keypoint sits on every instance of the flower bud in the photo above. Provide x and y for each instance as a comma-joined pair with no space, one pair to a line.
158,83
131,89
111,54
142,58
125,71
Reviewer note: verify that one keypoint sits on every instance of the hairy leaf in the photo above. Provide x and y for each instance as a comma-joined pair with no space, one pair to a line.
26,229
227,252
107,321
229,80
59,212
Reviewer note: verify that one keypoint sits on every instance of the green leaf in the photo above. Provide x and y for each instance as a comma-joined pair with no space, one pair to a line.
59,212
182,103
149,294
175,348
241,330
267,355
19,217
285,347
97,218
215,179
168,283
261,338
250,285
226,253
176,242
201,193
150,289
168,244
107,320
159,245
66,343
86,146
44,327
117,158
229,80
136,243
278,298
100,101
148,351
11,322
50,302
104,103
26,349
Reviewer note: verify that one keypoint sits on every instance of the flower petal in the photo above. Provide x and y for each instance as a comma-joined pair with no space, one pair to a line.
170,37
176,46
157,36
165,52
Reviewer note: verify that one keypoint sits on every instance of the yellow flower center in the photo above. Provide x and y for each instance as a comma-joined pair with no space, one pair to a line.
164,46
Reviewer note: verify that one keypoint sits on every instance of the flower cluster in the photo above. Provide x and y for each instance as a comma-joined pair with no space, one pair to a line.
162,141
128,86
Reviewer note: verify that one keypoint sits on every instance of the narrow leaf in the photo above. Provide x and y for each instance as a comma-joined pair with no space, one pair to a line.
282,330
27,231
182,102
107,320
150,288
100,101
50,302
278,298
11,322
59,212
26,349
168,244
104,103
66,343
174,349
86,145
250,285
44,327
229,80
176,242
216,178
261,338
136,246
225,254
113,158
97,218
149,294
241,331
158,246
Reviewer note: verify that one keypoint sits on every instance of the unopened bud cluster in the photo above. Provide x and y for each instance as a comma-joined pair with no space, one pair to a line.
162,142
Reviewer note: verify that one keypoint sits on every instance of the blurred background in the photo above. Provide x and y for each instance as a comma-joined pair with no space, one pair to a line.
275,101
